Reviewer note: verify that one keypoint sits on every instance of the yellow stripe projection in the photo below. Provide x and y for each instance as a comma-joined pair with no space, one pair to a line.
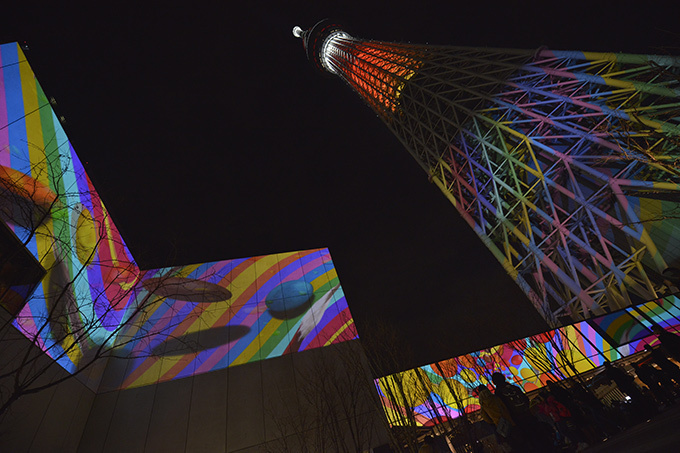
339,332
34,134
271,327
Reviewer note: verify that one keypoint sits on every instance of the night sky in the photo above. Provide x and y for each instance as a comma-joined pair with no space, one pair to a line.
210,136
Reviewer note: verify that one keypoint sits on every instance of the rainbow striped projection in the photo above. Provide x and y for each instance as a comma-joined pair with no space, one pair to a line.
168,323
232,312
564,163
440,391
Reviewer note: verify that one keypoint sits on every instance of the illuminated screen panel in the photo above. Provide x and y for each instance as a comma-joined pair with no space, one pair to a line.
621,327
595,346
665,312
430,394
168,323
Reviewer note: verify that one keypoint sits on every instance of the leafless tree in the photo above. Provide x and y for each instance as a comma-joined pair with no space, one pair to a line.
332,408
400,392
72,321
458,395
551,354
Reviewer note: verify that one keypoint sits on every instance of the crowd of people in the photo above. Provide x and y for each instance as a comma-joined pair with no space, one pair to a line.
524,425
567,416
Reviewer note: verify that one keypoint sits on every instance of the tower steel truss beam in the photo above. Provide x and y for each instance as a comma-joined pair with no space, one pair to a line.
564,163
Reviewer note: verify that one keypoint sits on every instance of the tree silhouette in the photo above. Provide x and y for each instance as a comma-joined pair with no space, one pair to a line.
93,299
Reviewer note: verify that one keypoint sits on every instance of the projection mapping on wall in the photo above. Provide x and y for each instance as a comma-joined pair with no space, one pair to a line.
171,322
434,393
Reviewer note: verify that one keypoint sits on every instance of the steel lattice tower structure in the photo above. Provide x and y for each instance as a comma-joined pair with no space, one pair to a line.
565,163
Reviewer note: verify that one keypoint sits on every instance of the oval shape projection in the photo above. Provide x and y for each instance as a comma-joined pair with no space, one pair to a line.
84,234
187,289
290,295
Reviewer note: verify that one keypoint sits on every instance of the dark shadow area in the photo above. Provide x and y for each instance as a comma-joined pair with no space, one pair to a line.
659,434
20,272
201,340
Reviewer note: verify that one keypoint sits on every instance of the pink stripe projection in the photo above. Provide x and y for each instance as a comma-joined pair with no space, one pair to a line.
4,131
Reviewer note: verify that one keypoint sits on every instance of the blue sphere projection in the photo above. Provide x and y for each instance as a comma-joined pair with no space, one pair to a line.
289,296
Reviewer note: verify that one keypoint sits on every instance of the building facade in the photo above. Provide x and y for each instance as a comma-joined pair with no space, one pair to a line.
211,356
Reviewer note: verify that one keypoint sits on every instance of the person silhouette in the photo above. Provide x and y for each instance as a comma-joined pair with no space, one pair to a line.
669,341
669,368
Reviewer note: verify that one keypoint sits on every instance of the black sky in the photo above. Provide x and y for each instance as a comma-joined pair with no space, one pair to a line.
209,136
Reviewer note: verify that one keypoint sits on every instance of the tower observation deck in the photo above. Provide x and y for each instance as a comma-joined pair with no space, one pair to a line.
565,163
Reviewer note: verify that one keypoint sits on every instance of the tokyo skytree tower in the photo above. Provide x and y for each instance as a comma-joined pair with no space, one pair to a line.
565,163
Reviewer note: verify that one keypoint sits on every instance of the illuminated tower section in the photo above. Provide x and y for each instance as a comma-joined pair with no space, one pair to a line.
564,163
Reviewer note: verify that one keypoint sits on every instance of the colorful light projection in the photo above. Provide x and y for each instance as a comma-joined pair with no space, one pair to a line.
434,393
232,312
563,162
51,206
170,322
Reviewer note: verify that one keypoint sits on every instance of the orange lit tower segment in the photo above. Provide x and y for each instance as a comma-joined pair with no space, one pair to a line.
372,69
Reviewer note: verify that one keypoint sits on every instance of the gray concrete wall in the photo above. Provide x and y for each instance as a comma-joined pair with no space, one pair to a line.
318,400
313,400
48,421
